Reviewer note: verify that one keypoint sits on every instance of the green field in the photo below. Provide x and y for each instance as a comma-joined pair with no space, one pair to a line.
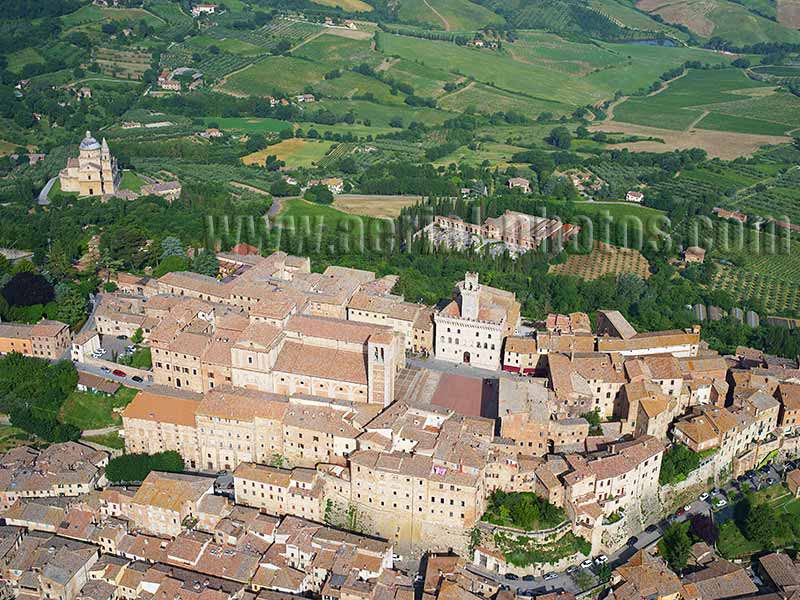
309,218
277,75
348,5
545,68
426,80
498,155
26,56
450,15
338,51
735,23
482,98
716,91
131,181
625,13
93,14
379,115
88,410
231,45
729,20
249,124
289,75
296,153
492,68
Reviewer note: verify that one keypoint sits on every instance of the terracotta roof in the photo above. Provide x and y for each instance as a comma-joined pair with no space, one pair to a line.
171,490
338,329
163,407
242,404
783,572
521,345
324,363
721,579
45,328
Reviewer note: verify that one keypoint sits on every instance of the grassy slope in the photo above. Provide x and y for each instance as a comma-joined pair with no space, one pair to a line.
550,69
460,15
735,103
295,152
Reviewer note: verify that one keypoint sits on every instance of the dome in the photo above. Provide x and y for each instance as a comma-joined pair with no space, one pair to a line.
89,143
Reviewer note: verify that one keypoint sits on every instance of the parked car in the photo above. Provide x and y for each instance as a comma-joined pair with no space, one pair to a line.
633,540
119,373
550,576
122,337
572,569
601,560
528,578
765,469
703,497
771,481
137,379
720,503
397,557
530,592
105,369
511,576
130,349
587,563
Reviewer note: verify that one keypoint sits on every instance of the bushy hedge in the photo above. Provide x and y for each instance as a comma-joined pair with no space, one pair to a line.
135,467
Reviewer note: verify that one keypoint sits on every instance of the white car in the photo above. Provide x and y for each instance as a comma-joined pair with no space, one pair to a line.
550,576
720,503
687,508
587,563
703,497
601,560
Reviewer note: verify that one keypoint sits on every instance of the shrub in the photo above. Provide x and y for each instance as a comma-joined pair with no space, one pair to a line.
136,467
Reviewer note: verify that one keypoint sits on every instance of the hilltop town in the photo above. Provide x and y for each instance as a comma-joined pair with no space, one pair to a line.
331,434
399,300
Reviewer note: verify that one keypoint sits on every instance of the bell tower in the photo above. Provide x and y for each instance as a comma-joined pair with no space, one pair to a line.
470,296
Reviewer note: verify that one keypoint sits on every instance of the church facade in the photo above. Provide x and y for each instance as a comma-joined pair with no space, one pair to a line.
94,172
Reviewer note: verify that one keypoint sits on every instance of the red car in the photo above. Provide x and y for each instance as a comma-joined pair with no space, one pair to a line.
118,373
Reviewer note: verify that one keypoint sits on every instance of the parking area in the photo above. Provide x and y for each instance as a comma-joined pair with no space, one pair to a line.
768,475
115,346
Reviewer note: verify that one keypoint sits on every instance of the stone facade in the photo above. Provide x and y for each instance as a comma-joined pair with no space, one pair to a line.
94,172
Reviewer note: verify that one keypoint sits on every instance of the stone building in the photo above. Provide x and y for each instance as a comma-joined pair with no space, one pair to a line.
45,339
472,327
94,172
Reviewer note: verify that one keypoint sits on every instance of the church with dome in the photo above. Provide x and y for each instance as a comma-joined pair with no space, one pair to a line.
94,172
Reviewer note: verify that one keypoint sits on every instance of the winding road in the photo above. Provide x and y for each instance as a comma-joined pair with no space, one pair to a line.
438,14
43,199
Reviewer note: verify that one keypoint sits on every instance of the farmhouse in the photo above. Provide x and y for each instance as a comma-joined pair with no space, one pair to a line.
204,9
730,214
171,190
694,254
634,196
520,183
